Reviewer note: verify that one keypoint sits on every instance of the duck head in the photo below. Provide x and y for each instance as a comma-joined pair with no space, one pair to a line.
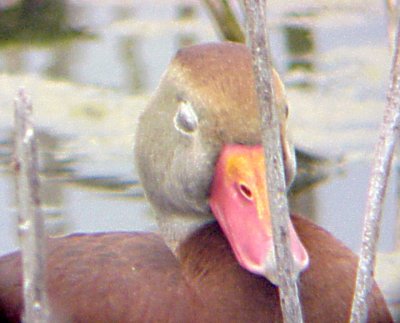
199,155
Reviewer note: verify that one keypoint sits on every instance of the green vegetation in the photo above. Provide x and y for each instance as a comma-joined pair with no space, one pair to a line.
35,21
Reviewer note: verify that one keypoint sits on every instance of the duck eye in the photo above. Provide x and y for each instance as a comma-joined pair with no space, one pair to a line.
186,120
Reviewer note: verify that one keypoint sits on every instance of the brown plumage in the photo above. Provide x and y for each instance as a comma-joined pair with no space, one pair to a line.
134,277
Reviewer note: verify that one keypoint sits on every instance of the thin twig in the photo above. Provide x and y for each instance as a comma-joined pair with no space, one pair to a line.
226,20
389,133
392,12
259,44
30,220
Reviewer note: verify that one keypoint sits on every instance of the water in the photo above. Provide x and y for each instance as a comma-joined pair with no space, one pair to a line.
88,92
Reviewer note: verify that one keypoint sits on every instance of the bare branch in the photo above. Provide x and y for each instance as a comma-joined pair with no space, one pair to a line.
30,220
225,19
392,12
389,133
259,44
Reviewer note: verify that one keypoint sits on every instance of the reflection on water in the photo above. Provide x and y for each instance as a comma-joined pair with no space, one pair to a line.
300,46
186,12
88,92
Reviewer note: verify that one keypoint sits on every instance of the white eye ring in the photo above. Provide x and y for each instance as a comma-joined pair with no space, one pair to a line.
185,119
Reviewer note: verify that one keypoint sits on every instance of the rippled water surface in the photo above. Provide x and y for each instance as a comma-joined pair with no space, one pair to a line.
88,92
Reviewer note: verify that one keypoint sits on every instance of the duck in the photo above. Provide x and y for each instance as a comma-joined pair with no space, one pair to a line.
200,160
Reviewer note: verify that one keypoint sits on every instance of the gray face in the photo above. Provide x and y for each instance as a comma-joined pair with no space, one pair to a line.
205,100
174,160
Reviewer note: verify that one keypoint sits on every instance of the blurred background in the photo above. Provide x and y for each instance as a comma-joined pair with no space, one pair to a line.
90,67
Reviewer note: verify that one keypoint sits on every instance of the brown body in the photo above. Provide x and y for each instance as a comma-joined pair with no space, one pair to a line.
134,277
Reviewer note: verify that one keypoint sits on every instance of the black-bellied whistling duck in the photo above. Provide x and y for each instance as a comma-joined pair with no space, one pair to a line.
199,156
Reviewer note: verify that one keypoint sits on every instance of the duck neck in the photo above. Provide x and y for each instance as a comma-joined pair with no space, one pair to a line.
176,228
